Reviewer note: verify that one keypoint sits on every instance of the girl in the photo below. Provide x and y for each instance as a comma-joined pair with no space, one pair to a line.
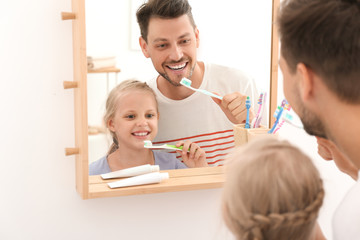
132,117
272,191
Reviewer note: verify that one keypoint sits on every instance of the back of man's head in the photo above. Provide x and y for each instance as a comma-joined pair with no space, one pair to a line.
325,36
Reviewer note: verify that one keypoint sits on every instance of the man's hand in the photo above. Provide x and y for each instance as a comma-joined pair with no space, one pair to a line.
329,151
233,105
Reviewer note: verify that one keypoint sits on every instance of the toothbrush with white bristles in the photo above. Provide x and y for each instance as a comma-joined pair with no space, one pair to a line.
148,144
187,83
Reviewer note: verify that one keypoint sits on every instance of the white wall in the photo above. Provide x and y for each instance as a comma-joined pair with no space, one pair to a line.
38,198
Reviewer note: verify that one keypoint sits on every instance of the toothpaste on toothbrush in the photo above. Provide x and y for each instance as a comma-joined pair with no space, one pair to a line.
130,172
149,178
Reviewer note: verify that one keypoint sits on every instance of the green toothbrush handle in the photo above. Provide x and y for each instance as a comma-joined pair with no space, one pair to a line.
173,146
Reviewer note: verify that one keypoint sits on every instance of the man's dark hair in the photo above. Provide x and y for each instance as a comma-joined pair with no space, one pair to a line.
166,9
325,36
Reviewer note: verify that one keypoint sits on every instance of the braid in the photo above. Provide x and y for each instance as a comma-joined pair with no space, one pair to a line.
258,222
114,146
281,201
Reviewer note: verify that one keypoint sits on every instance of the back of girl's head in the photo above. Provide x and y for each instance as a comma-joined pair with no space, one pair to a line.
113,97
272,191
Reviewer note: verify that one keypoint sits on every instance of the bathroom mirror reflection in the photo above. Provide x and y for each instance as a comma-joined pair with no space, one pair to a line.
234,33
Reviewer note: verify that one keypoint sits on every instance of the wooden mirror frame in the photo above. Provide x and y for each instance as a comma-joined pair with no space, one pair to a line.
180,180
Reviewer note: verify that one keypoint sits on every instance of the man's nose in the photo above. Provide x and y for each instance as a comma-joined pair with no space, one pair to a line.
176,53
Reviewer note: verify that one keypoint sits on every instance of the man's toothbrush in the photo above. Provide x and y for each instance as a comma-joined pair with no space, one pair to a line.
247,105
187,83
148,144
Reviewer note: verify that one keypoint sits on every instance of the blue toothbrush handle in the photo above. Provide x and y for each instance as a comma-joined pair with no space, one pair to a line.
247,125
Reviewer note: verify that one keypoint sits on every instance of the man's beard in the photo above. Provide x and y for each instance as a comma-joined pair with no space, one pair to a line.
312,124
174,83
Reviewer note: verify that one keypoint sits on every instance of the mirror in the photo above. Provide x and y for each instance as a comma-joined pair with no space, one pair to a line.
239,35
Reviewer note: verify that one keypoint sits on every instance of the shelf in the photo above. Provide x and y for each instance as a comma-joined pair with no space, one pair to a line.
104,70
180,180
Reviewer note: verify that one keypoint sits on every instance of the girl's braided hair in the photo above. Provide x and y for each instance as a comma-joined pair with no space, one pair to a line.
272,191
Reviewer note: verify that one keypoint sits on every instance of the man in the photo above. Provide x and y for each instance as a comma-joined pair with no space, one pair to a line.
320,61
329,151
170,38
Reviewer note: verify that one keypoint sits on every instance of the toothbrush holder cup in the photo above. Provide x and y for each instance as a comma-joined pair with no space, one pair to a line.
244,135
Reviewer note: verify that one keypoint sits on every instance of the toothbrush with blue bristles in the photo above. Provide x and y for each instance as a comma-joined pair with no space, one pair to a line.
187,83
247,105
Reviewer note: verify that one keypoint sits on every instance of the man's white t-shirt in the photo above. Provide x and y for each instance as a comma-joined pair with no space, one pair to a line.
198,118
346,220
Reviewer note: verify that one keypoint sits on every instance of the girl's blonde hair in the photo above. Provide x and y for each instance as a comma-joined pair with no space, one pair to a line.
111,103
272,191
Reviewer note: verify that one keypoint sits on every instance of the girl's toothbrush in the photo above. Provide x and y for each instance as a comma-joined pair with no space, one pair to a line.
247,105
262,101
148,144
187,83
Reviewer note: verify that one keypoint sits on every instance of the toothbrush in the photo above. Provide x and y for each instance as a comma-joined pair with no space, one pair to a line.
286,106
253,122
262,101
280,124
289,118
187,83
148,144
247,105
277,115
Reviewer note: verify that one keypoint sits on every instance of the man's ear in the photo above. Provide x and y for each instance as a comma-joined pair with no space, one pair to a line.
306,77
144,47
196,30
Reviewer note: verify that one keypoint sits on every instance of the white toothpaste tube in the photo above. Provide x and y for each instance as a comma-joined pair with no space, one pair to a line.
148,178
130,172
